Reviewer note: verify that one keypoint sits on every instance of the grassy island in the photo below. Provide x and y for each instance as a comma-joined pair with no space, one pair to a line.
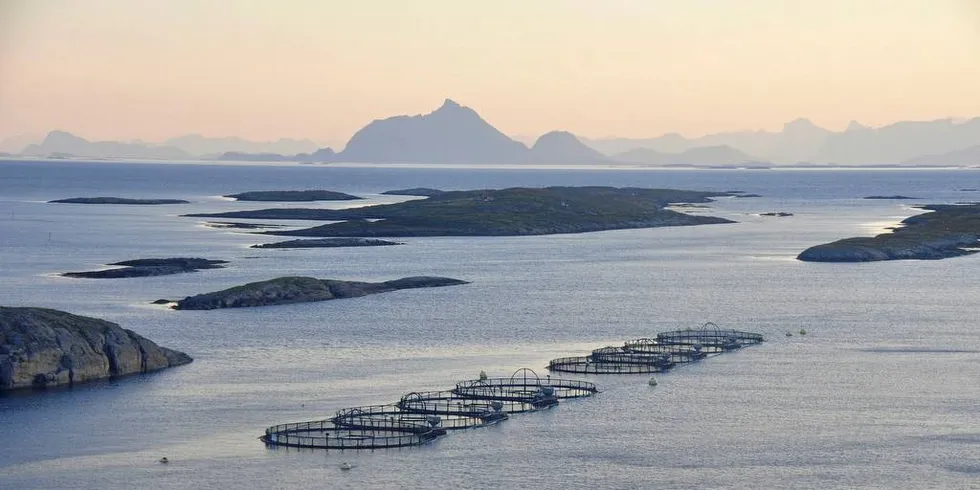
948,231
499,212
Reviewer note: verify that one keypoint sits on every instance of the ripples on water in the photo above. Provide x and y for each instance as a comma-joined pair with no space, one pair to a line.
881,393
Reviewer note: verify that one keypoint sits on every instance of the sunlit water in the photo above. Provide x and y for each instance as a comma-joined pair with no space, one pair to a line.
881,393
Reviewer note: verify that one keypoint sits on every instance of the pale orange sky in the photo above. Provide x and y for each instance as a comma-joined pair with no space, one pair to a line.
321,69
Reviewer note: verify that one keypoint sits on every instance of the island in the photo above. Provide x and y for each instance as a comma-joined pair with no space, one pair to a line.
150,267
950,230
240,226
41,347
895,197
504,212
293,196
779,214
329,243
415,191
286,290
117,200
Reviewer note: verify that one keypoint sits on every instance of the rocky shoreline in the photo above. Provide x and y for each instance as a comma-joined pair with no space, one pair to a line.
41,347
948,231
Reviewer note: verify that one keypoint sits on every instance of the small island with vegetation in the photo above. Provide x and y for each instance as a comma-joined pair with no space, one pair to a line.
950,230
117,200
293,196
150,267
239,225
329,243
895,197
287,290
503,212
41,348
415,191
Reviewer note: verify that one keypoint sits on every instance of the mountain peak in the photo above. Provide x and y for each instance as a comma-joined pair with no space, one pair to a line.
563,147
855,126
58,137
801,123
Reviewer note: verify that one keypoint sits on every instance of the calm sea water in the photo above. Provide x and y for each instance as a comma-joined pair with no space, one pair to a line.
882,392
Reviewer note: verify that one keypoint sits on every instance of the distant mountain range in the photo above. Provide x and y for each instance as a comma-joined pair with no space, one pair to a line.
457,134
185,147
450,134
803,141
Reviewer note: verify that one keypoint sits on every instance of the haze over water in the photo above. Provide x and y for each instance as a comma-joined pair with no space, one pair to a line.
881,393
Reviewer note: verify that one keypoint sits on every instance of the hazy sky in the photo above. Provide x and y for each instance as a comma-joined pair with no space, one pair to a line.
125,69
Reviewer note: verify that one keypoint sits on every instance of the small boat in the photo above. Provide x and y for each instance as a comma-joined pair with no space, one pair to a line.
802,331
164,460
652,382
346,466
789,334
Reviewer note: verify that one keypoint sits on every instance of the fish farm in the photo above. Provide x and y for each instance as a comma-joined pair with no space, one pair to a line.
421,417
646,356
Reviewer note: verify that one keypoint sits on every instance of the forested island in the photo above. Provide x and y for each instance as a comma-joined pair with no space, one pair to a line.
950,230
499,212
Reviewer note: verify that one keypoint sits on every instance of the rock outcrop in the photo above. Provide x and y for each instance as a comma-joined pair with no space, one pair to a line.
116,200
949,231
150,267
415,191
293,196
286,290
41,347
329,243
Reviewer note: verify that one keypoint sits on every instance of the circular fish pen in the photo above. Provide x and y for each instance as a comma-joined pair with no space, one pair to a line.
385,416
524,386
324,434
676,353
646,355
711,335
621,355
462,412
585,365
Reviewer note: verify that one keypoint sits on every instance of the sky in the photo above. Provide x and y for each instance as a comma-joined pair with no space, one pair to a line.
322,69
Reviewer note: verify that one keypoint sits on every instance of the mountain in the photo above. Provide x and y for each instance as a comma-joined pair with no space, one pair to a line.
322,155
564,147
17,143
196,144
801,140
797,141
61,142
898,142
761,143
706,155
967,157
450,134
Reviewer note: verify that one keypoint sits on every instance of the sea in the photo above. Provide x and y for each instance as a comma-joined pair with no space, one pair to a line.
883,391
